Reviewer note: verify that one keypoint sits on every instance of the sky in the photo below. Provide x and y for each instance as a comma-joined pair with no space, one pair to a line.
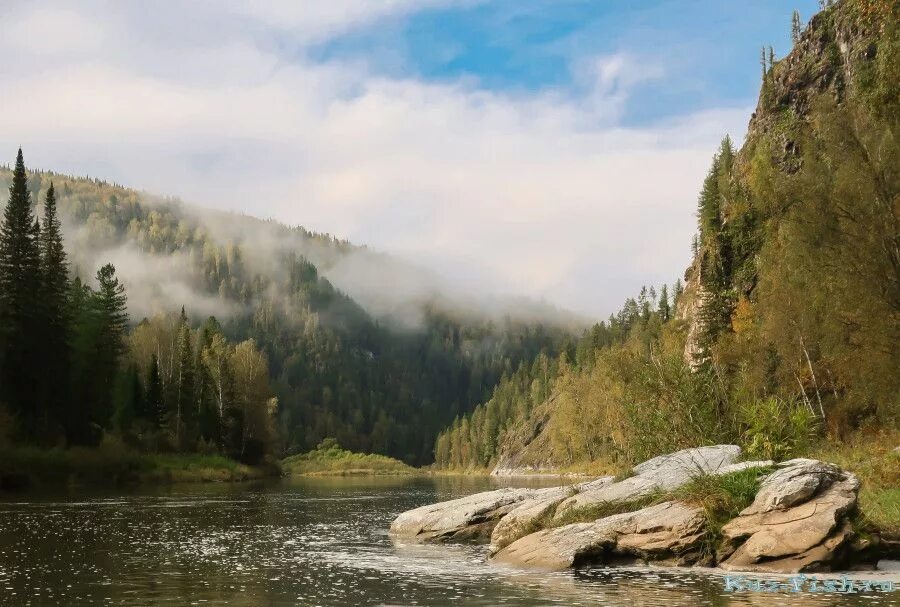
552,149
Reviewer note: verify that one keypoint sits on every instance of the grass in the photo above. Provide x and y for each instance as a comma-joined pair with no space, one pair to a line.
872,458
722,497
592,512
112,463
330,459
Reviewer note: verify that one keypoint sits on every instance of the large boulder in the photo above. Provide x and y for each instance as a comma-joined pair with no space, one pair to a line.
665,472
470,518
521,518
797,522
670,531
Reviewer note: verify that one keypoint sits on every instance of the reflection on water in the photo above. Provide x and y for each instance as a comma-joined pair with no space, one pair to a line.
299,542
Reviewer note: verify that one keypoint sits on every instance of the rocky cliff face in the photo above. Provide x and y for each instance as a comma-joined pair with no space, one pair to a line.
835,52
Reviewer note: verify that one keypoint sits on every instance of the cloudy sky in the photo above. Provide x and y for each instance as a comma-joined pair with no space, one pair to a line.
547,148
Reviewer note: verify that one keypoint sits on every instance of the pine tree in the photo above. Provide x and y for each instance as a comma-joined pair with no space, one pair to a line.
20,280
677,292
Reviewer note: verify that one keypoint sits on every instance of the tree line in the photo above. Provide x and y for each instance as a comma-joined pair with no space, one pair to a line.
72,369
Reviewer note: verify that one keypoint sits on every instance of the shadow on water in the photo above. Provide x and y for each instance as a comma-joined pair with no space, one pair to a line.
306,541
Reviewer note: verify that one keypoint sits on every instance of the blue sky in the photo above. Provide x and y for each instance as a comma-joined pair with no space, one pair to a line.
546,149
707,50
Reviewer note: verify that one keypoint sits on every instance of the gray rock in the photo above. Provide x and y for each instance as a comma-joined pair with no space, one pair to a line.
517,522
675,469
796,523
665,472
668,531
464,519
794,482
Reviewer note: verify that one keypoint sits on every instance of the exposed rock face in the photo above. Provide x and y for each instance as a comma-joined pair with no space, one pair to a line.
660,473
470,518
796,523
670,531
513,525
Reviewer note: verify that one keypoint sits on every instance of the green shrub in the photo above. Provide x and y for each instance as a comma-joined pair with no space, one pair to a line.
777,430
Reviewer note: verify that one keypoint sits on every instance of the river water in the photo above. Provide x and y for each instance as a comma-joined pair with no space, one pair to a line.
301,542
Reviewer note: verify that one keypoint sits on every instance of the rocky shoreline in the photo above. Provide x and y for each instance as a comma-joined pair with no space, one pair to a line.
801,519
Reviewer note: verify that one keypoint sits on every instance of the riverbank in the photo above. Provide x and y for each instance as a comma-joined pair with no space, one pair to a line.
114,464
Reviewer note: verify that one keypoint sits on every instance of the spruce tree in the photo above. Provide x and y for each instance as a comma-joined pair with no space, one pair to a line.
20,280
55,306
664,310
185,410
677,292
112,318
795,27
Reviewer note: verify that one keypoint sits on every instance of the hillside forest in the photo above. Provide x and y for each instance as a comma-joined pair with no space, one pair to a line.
238,347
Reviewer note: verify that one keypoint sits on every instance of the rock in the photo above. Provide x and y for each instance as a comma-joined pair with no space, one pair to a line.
743,466
675,469
795,482
469,518
517,522
796,522
668,531
665,472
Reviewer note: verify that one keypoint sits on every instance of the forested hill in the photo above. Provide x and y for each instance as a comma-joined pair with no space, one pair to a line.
383,378
789,323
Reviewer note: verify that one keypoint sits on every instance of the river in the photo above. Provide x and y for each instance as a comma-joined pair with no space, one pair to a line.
313,541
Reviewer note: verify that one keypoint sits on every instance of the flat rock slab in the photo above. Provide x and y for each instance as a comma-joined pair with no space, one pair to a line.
669,530
797,521
665,472
517,522
468,518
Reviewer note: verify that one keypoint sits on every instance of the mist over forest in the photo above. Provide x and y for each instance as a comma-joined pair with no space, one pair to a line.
361,347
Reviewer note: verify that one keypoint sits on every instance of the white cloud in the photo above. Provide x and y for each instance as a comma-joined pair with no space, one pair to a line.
51,32
536,194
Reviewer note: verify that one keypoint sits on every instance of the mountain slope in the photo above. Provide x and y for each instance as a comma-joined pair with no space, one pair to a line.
384,382
790,317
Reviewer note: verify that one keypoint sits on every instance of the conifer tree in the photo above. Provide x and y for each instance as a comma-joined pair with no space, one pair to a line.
109,303
20,280
677,292
762,63
156,406
186,413
664,310
54,306
795,26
